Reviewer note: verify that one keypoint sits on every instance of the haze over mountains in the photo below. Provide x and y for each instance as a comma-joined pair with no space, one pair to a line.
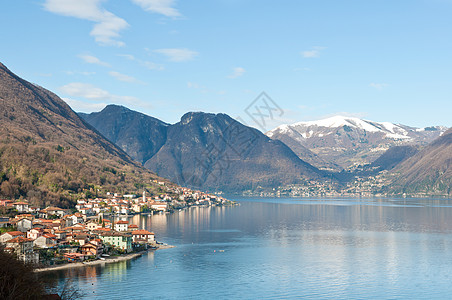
345,142
49,155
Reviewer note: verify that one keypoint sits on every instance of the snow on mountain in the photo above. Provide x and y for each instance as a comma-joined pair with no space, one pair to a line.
348,141
319,128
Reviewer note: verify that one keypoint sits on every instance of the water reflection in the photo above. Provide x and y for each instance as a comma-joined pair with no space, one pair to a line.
299,248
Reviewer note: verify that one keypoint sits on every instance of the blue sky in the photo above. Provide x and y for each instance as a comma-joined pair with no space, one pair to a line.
380,60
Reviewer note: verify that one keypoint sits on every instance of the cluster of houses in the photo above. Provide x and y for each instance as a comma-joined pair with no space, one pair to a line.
86,233
130,204
73,237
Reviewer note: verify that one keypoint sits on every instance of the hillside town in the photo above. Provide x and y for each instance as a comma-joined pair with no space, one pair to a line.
94,230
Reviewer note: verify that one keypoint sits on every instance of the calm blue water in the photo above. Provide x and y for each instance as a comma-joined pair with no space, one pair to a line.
288,248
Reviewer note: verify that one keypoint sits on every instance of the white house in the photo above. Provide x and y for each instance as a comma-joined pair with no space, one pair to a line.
143,236
45,241
121,226
21,206
10,235
24,225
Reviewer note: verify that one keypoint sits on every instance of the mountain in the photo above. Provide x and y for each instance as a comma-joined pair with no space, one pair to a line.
429,172
210,151
139,135
346,142
49,155
393,157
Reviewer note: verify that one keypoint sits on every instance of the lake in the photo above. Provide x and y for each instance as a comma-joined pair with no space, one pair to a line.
287,248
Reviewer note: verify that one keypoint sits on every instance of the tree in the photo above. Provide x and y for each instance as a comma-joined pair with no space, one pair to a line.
17,279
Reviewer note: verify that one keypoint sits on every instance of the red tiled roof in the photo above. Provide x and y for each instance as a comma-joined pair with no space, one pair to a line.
142,232
16,233
19,239
122,222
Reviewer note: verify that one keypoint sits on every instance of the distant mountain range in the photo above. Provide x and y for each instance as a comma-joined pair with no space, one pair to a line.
428,172
215,152
49,155
210,151
345,142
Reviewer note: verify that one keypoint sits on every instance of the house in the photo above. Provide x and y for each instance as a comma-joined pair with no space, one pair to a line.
10,235
93,226
66,221
76,218
133,227
86,211
107,223
24,224
160,206
4,202
118,239
33,209
23,247
60,234
34,233
81,239
4,222
124,210
121,226
93,248
73,257
77,228
143,236
21,206
55,211
45,241
137,207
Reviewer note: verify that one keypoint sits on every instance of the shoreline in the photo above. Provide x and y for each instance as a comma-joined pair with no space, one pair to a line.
108,260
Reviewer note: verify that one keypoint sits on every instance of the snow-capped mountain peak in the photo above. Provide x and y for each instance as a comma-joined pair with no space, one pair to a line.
327,126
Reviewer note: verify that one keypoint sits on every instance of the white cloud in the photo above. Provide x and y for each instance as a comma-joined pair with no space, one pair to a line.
127,56
237,72
93,60
107,27
177,55
98,96
201,88
80,73
313,53
378,86
82,106
91,92
147,64
122,77
152,66
163,7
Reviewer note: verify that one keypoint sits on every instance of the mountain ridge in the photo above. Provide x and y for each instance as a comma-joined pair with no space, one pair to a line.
348,141
49,155
198,147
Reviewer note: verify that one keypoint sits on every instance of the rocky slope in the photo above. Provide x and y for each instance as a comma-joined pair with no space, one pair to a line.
428,172
139,135
345,142
209,151
49,155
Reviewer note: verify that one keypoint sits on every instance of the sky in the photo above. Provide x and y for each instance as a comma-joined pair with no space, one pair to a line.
379,60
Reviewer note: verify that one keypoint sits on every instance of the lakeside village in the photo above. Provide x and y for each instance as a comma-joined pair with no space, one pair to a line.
54,236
